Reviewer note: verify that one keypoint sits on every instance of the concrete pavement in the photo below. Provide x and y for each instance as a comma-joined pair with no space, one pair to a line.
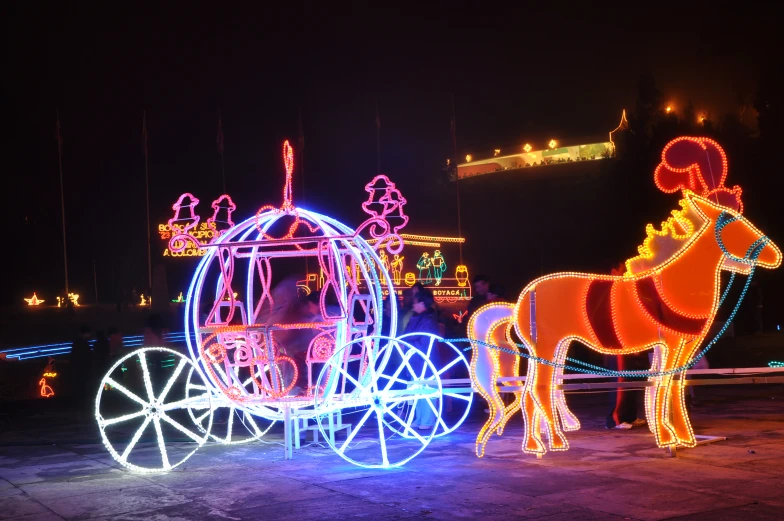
54,468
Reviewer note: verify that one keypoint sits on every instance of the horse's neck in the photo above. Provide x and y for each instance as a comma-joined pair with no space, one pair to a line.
690,282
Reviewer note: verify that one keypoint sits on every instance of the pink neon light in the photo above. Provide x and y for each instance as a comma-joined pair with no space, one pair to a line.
288,163
178,206
390,200
287,207
223,202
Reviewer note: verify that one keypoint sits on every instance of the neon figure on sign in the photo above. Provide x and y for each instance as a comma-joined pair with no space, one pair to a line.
425,266
665,302
439,266
384,265
461,274
397,268
46,390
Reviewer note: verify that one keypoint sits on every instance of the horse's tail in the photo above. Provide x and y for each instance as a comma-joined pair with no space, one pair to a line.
488,325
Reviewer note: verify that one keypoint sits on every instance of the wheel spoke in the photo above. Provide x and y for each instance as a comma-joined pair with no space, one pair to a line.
180,428
348,376
190,401
134,440
382,439
125,391
407,426
161,443
197,386
173,377
427,356
126,417
450,364
399,370
433,408
146,375
458,396
249,418
200,418
355,430
392,380
406,359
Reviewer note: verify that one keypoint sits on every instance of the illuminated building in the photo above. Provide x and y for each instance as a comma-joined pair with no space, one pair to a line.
545,152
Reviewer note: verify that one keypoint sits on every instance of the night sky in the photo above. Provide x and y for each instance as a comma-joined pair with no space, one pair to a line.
517,75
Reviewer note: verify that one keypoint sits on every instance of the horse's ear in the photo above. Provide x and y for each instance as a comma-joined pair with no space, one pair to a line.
703,206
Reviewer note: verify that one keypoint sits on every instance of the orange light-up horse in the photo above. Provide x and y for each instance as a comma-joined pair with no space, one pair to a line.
666,302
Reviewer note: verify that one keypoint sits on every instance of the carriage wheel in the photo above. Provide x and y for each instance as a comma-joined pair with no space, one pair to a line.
452,364
142,410
394,373
230,424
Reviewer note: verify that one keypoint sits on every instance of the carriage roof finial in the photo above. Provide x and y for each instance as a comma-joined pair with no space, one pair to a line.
288,163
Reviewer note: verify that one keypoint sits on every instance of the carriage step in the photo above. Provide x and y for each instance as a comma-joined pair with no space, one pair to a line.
334,423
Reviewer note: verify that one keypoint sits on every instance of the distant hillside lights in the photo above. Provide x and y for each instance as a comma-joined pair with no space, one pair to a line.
72,297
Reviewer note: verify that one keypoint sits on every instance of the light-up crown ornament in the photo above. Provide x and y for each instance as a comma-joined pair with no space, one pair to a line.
385,208
184,224
222,208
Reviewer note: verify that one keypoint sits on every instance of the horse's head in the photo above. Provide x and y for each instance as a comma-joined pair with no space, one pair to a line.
743,245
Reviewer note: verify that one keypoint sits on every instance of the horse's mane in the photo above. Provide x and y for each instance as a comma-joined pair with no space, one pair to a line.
662,244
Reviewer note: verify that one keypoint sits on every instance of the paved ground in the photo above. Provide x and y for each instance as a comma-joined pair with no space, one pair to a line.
52,468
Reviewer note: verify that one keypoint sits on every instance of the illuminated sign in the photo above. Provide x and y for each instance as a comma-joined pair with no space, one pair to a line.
46,390
192,250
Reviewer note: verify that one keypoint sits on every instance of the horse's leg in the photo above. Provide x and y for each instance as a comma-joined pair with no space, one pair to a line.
568,420
496,406
662,428
517,403
487,370
680,416
532,443
541,387
650,391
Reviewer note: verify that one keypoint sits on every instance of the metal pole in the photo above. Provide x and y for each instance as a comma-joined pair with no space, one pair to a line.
62,201
378,141
147,193
457,178
95,282
221,145
301,143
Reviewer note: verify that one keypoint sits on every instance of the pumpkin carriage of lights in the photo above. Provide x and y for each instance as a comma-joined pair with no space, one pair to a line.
240,370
